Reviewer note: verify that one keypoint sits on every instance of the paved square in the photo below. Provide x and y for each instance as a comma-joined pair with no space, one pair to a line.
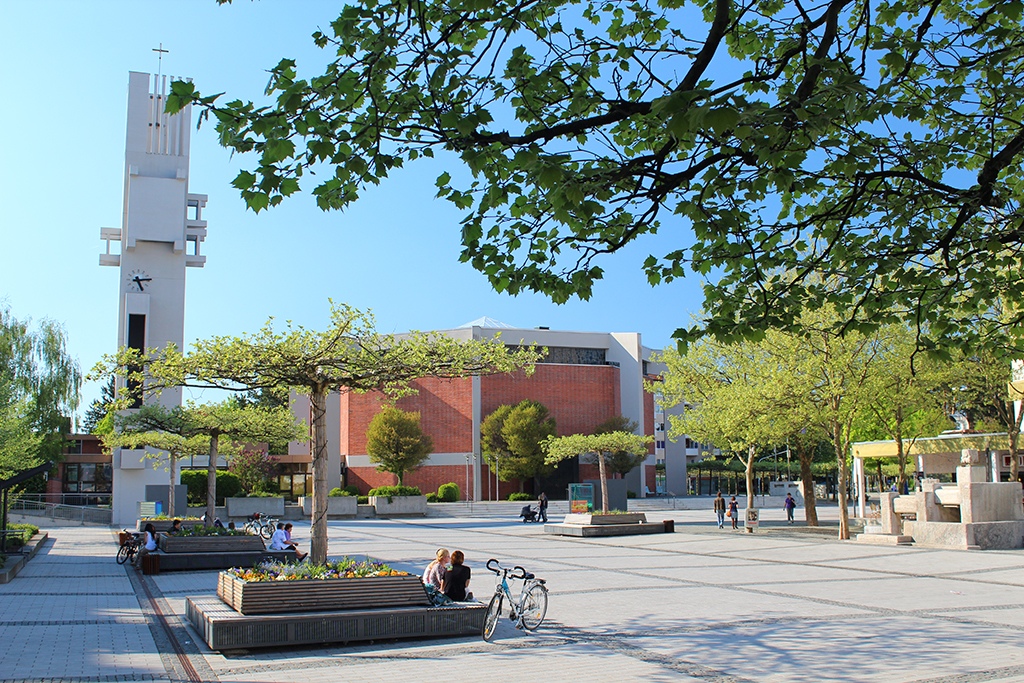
701,604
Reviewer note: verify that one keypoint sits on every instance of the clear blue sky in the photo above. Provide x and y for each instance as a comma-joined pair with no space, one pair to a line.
64,72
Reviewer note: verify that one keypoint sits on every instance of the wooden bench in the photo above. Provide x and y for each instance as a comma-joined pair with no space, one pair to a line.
222,628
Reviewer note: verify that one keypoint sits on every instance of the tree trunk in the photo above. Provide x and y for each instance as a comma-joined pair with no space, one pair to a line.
804,457
318,444
170,495
211,480
604,483
1013,433
843,475
751,452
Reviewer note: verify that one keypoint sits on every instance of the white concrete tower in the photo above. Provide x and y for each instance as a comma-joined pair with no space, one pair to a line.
162,228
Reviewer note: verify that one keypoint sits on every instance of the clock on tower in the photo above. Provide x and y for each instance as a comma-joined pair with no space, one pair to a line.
160,236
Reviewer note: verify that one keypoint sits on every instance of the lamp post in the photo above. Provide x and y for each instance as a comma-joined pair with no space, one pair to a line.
467,494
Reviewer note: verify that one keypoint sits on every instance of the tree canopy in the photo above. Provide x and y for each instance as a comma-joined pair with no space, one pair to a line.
39,385
396,443
350,355
621,462
772,142
511,437
559,448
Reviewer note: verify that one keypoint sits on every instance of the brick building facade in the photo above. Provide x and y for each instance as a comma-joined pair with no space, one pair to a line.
585,379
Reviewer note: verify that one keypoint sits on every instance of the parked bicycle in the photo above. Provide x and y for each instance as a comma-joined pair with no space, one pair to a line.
129,548
260,525
527,610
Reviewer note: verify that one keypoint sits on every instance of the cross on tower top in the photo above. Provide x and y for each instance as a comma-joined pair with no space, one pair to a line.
159,60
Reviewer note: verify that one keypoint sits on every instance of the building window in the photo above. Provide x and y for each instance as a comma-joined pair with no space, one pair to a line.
659,444
87,477
568,355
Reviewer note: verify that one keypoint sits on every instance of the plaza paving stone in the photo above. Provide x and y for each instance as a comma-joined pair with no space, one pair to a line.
702,604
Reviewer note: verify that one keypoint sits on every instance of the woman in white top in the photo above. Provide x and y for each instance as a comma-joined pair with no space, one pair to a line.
279,541
148,543
434,572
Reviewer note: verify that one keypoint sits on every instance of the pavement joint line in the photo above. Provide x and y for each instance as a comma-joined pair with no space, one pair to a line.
165,629
80,622
112,678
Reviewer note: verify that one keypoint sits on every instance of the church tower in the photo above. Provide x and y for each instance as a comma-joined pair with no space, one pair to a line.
161,231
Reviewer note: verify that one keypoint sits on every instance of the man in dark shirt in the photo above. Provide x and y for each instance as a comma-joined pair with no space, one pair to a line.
456,580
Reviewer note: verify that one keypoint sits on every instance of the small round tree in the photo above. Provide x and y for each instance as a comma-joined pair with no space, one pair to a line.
396,443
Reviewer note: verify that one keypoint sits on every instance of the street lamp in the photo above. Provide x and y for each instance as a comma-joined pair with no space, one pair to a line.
467,495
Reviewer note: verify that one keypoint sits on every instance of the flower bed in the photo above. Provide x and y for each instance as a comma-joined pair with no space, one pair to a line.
346,584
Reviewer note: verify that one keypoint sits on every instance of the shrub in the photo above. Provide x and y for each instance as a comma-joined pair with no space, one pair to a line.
27,531
448,493
228,486
262,494
352,489
195,481
393,491
432,498
630,494
254,470
520,496
338,492
363,500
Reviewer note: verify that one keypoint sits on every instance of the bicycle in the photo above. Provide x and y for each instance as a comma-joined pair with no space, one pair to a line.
129,549
258,525
527,611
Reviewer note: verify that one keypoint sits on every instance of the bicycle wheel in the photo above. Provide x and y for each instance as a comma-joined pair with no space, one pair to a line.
534,606
123,553
492,617
266,531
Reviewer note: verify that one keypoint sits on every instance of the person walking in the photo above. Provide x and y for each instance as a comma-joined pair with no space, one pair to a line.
734,512
790,505
720,510
542,507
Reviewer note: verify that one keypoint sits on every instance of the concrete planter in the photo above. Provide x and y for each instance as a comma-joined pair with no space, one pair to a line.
210,544
243,507
399,505
315,595
597,518
337,506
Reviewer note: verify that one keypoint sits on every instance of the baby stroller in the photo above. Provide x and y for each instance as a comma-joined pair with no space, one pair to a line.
528,514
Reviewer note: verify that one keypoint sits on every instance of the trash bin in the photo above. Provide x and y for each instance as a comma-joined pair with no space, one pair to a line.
670,526
151,564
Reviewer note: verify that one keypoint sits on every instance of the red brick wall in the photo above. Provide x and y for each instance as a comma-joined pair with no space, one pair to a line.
648,425
429,478
445,407
579,397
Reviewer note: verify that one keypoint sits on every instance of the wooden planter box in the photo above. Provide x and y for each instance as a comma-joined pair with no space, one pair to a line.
164,525
314,595
597,518
210,544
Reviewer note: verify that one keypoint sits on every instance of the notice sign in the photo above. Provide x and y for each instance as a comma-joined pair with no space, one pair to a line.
752,519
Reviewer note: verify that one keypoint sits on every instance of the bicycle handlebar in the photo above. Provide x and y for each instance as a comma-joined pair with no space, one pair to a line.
515,572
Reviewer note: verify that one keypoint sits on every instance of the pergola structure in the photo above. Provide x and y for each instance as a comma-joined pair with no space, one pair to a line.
934,455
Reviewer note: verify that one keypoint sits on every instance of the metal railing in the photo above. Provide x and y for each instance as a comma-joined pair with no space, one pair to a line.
78,499
73,513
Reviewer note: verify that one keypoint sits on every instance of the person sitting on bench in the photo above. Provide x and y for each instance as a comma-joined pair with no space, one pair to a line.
292,544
